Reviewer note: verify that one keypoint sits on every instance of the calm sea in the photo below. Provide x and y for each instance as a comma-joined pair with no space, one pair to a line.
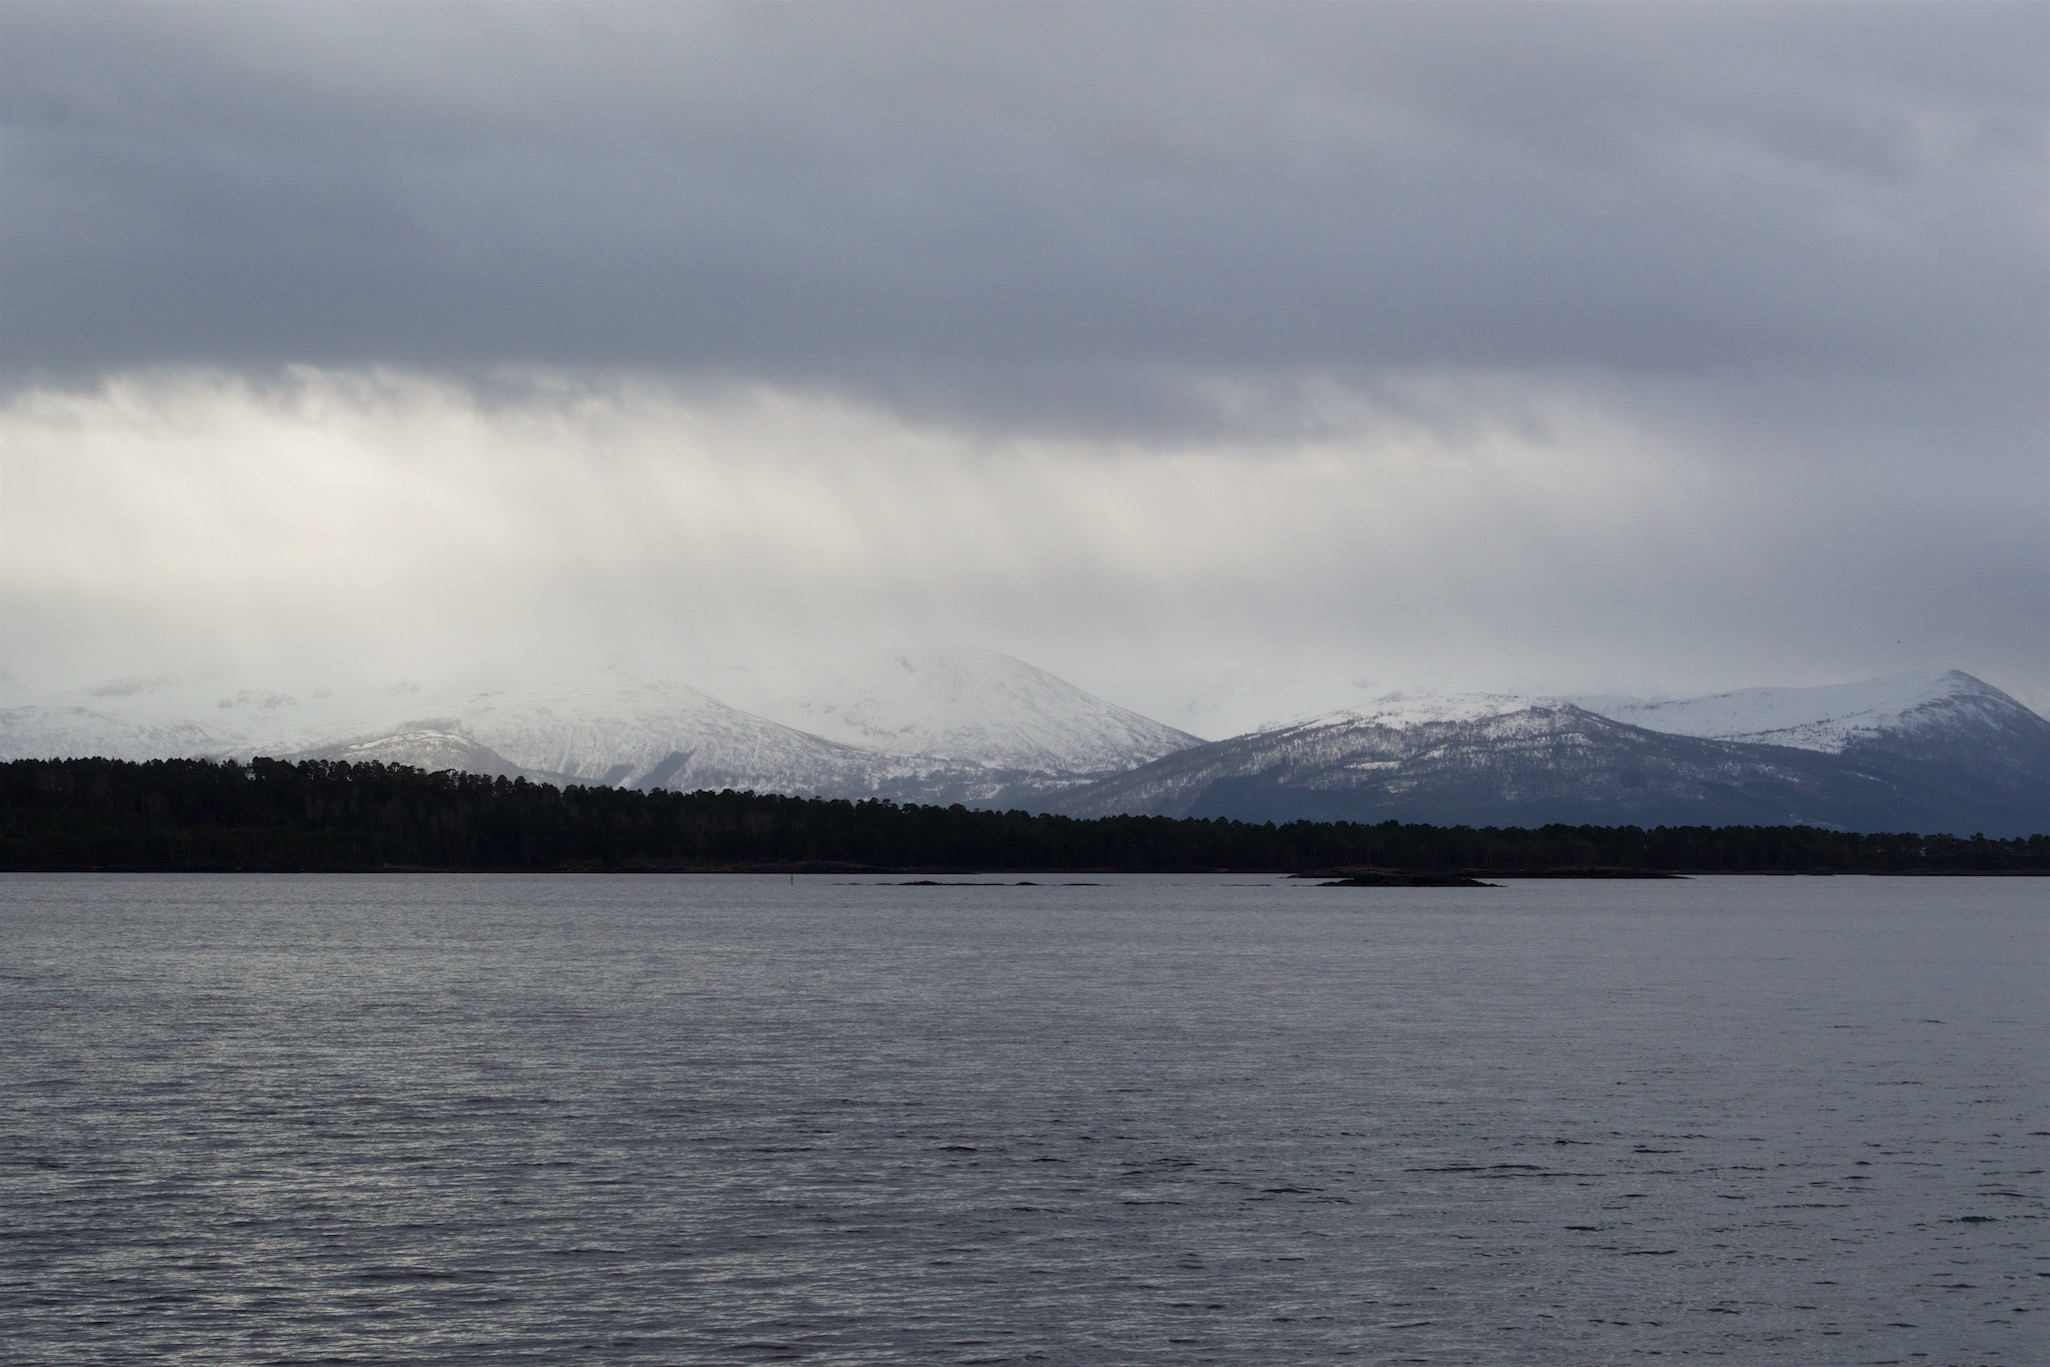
679,1119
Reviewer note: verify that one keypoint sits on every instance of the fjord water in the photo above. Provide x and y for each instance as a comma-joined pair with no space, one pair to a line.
682,1119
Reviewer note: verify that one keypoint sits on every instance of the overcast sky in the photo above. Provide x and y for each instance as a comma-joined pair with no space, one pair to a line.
1219,358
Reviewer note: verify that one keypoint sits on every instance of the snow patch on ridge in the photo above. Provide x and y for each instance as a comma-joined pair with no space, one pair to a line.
1400,711
1825,718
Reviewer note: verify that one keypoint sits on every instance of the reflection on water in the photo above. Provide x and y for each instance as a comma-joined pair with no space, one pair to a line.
255,1119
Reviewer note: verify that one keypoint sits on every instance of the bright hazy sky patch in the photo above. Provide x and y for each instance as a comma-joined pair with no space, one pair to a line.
1212,356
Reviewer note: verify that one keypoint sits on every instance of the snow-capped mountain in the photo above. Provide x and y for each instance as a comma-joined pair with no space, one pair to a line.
974,707
1930,752
1926,735
157,718
1827,718
140,719
611,730
1963,758
1483,760
60,732
972,727
616,730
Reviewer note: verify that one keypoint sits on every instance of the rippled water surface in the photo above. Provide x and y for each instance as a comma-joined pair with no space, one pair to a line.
678,1119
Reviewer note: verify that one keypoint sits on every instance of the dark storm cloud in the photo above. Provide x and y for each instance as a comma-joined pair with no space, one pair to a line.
1008,204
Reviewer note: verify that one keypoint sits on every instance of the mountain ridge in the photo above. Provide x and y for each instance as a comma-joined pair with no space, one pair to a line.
1939,750
1982,764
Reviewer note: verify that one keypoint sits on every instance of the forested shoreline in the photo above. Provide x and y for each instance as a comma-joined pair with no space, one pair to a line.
271,815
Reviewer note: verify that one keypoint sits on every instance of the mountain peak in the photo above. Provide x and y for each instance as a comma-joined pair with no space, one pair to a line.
973,705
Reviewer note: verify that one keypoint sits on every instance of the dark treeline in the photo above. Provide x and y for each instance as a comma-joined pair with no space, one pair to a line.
269,814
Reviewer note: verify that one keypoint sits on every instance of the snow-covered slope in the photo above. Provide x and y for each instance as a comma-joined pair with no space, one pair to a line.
971,727
610,729
1826,718
151,718
431,745
974,707
74,732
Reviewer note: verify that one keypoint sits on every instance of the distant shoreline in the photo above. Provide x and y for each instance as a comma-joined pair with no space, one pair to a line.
271,816
1428,879
1364,877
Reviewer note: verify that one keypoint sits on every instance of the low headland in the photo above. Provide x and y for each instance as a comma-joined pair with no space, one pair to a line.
321,816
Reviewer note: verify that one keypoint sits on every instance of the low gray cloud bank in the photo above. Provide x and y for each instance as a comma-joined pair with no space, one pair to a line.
1518,345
